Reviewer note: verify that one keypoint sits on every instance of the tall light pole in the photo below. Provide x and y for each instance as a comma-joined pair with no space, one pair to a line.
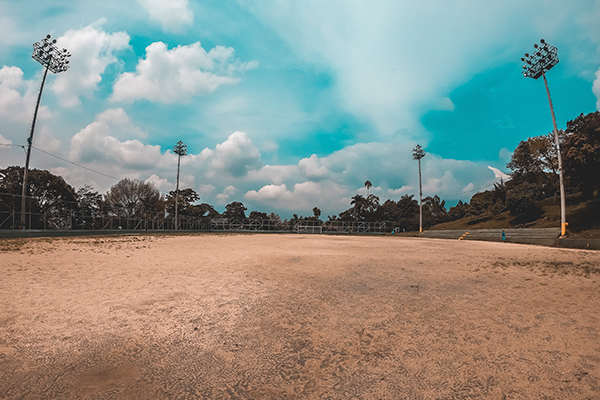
181,150
46,53
419,153
536,65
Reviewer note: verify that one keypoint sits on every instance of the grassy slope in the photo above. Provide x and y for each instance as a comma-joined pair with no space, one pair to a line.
583,218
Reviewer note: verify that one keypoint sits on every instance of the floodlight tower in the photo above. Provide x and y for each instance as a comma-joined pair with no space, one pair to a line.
419,153
536,65
181,150
46,53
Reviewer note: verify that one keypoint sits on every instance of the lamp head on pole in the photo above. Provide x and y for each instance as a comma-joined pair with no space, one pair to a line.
46,53
418,153
544,58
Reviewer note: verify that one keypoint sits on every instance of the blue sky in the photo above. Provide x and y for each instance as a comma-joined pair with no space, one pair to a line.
287,105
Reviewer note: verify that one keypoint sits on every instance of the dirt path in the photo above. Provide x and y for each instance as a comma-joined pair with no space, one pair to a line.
292,316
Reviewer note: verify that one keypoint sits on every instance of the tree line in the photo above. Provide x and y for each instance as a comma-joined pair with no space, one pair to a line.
534,177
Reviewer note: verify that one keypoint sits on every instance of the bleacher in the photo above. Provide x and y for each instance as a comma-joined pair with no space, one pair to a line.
541,236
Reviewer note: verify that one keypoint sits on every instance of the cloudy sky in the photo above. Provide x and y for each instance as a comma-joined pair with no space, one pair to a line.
286,105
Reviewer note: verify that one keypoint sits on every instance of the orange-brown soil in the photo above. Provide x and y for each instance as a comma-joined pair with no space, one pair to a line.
296,316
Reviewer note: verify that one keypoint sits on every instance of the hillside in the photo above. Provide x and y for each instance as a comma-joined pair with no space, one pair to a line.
583,217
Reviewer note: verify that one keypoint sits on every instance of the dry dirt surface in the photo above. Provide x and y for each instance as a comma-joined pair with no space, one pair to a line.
296,317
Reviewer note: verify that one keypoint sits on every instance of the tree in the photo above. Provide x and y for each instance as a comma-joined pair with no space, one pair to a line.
434,210
53,201
235,211
186,197
316,212
521,200
536,160
256,215
403,213
458,211
582,152
133,198
274,217
90,206
368,185
204,210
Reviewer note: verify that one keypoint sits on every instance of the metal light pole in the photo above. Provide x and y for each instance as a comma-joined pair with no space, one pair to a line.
419,153
536,65
46,53
181,150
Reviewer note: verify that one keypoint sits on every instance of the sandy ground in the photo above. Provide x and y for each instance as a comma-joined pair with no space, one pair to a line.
293,316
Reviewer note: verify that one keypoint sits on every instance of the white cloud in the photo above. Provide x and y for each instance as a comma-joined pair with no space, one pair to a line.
46,140
596,89
161,184
176,75
236,156
391,60
313,167
99,142
118,118
92,52
4,140
397,193
303,197
444,184
499,174
173,15
223,197
18,96
206,190
273,173
469,188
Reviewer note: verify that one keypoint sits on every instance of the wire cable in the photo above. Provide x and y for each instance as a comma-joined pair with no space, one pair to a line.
74,163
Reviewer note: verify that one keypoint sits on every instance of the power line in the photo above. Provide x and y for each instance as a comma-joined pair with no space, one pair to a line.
63,159
74,163
10,144
469,191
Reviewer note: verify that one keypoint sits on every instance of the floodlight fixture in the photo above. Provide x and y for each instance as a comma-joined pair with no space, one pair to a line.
418,154
537,65
181,150
55,60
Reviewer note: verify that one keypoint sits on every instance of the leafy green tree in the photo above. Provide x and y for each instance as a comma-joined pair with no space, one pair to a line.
404,214
53,201
186,196
235,211
255,215
274,217
204,210
458,211
368,185
434,211
90,204
537,157
133,198
481,203
316,212
582,153
521,200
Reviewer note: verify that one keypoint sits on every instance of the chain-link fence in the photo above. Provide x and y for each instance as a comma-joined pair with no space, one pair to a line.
67,217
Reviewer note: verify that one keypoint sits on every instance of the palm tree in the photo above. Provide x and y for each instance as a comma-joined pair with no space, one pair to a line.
368,185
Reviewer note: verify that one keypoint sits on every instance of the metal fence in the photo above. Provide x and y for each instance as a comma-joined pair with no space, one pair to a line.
10,220
69,217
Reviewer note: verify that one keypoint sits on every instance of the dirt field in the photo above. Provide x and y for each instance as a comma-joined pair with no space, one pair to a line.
293,316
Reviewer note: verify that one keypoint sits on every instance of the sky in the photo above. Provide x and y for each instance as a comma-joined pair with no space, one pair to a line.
288,105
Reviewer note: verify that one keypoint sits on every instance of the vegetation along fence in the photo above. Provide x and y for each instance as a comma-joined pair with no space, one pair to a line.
40,217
